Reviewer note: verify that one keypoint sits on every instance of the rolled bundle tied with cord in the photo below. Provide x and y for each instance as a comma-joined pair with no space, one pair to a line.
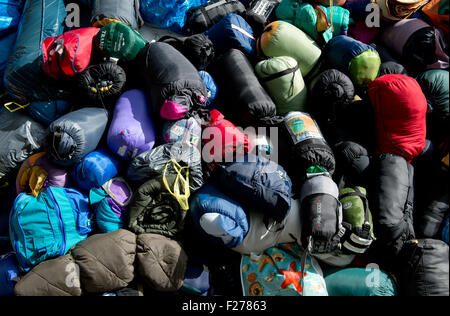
74,135
396,10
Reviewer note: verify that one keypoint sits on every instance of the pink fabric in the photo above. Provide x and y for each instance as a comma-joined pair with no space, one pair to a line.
172,111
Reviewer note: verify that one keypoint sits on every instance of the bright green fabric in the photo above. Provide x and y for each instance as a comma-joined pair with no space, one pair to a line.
364,68
353,209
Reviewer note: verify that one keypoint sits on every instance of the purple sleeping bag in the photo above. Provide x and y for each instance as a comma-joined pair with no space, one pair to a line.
132,131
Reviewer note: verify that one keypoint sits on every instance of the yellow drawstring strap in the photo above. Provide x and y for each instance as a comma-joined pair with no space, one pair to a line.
17,106
183,196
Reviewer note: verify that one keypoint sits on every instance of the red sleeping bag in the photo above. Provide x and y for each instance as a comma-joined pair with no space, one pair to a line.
223,140
68,54
400,110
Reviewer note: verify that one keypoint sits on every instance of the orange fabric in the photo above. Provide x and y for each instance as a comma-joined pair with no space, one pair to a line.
440,20
266,37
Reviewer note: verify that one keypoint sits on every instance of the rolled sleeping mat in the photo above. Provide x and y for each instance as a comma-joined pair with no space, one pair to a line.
20,138
232,32
251,104
201,18
283,80
110,203
400,109
419,45
211,87
361,62
74,135
95,169
283,39
102,83
46,112
132,130
118,11
184,130
24,79
219,218
354,282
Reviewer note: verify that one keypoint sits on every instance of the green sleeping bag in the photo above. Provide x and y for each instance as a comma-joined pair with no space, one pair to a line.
283,80
359,282
364,68
284,39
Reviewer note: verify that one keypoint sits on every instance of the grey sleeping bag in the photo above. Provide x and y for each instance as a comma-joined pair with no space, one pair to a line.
125,11
20,137
76,134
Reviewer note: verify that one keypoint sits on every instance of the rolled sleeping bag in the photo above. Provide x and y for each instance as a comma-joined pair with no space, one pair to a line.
6,49
423,266
353,159
119,41
95,169
201,18
223,140
361,62
394,202
396,10
211,87
283,39
400,112
110,203
219,218
74,135
251,104
354,282
152,163
174,84
361,32
185,130
102,83
37,173
46,112
132,130
433,217
119,11
258,183
307,146
20,138
392,68
282,79
264,233
24,79
9,273
10,14
419,45
259,13
232,32
445,233
155,211
332,90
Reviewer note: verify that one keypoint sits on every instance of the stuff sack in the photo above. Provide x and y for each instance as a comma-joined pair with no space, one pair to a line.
24,79
9,273
37,173
49,225
119,41
10,14
400,113
250,103
396,10
74,135
260,13
185,131
201,18
6,49
359,282
438,12
219,218
423,268
105,12
223,140
102,83
173,83
95,169
361,62
282,79
110,204
258,183
232,32
211,87
279,272
281,38
46,112
417,44
20,138
68,54
132,130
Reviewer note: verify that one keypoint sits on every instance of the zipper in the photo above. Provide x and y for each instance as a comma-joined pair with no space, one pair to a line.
61,224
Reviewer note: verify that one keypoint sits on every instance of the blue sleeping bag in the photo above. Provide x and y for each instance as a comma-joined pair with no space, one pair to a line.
445,230
167,14
232,32
218,217
211,86
95,169
10,12
46,112
9,273
24,78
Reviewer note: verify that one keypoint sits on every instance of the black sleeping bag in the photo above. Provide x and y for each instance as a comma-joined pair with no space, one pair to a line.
174,85
74,135
392,68
423,268
246,101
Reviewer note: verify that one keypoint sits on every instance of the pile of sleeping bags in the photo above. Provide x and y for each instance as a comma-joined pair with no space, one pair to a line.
224,148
